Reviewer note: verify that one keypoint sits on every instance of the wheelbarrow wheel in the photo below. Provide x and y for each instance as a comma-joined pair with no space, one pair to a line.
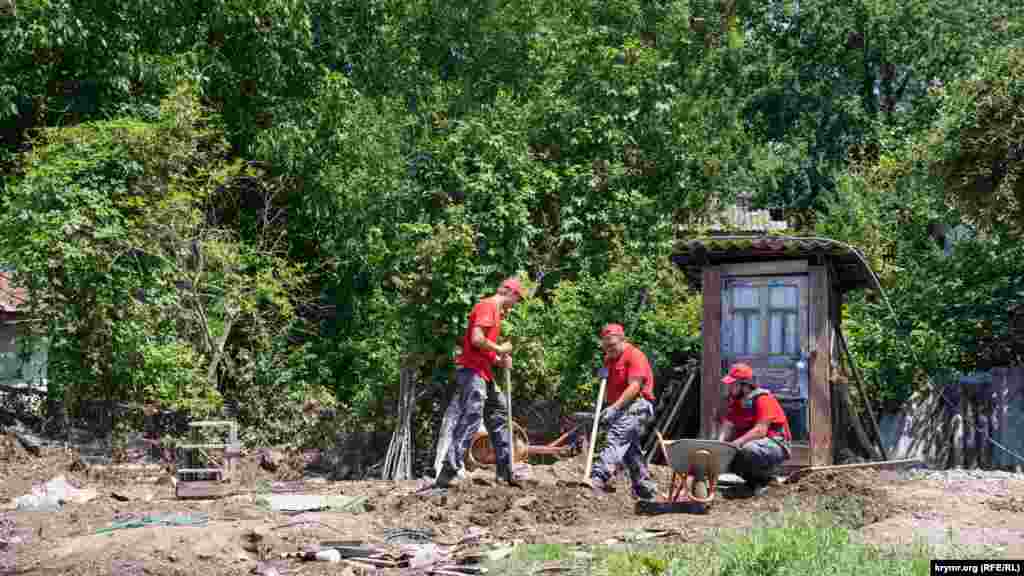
481,452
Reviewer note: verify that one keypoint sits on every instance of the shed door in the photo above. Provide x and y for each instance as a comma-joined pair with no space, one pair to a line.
765,324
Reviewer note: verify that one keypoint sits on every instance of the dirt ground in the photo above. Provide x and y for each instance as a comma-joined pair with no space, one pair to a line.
242,533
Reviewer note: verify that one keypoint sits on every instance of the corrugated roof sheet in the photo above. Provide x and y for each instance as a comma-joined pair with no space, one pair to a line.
11,298
729,248
738,217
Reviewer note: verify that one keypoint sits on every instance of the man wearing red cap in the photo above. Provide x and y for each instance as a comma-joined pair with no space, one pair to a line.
478,396
630,394
756,424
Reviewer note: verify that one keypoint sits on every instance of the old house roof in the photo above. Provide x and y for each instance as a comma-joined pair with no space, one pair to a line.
11,298
726,248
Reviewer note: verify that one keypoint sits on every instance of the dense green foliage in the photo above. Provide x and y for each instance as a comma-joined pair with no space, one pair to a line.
273,202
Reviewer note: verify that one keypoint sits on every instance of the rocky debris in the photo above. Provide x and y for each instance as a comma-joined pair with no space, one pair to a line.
11,450
525,502
1008,503
855,496
53,495
10,537
271,460
423,557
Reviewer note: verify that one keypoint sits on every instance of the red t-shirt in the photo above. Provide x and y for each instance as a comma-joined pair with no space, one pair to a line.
487,316
765,409
632,363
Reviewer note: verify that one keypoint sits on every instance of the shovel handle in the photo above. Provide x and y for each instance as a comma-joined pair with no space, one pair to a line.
511,433
593,432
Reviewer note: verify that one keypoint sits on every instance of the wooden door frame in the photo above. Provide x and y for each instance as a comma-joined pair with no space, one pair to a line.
819,451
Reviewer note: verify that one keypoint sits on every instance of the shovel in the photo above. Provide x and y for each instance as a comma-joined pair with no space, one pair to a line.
603,373
511,435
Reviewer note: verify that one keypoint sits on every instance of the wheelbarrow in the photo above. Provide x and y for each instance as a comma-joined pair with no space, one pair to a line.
695,465
481,452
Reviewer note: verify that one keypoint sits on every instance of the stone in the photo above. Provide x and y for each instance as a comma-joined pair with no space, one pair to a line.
525,502
271,460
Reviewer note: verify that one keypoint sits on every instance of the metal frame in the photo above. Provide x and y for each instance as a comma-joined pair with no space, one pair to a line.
481,453
202,482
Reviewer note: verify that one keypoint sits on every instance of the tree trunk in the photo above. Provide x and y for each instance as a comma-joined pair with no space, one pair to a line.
218,351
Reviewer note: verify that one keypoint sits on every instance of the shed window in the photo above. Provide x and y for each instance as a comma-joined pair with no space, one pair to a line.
765,323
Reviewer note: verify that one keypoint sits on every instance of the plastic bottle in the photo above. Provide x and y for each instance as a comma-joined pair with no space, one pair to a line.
331,555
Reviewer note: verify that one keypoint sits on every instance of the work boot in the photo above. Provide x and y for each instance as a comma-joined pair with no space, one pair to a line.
506,475
601,486
758,487
444,479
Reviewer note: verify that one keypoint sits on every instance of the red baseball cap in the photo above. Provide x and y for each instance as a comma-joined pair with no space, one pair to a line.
739,371
513,285
612,330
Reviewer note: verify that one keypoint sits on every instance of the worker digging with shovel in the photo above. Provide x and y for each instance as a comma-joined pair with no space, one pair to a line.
630,396
479,396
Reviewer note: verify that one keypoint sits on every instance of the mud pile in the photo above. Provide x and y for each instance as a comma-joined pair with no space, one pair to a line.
855,497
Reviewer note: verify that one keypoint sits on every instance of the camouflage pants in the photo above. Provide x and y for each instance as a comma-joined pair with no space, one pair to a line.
477,399
444,439
624,434
757,461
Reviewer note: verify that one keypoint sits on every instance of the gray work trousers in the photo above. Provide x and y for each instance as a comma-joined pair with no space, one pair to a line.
478,399
758,460
624,435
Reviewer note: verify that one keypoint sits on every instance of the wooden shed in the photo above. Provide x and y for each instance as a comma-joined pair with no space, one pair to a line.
774,302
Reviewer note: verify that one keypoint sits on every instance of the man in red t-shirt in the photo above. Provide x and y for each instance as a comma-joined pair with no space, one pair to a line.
629,393
756,424
478,396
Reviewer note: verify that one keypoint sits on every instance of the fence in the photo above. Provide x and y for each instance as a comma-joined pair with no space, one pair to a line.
973,421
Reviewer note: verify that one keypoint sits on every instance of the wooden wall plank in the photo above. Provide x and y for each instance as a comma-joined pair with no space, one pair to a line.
773,268
711,368
820,403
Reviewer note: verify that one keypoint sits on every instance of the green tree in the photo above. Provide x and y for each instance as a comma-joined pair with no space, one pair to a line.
143,297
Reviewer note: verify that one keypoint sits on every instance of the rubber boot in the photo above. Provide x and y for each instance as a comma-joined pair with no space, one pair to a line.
444,479
505,475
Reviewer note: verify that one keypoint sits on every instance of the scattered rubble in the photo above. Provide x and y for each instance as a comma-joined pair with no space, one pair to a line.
10,538
1006,504
312,502
427,558
454,532
52,495
271,460
853,496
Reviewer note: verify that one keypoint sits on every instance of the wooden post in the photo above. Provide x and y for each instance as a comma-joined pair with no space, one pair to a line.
820,398
711,365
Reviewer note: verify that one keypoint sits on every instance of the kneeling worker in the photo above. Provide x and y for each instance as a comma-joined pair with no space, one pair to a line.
755,424
630,393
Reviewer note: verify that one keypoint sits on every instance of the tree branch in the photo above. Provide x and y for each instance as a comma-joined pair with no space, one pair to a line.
218,352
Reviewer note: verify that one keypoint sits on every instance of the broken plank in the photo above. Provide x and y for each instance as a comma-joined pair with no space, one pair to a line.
31,443
884,464
203,489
